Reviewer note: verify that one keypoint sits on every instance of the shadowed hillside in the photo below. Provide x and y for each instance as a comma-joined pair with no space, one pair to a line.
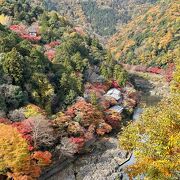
100,16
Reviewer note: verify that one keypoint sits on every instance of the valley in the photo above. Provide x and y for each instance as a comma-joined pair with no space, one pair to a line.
102,18
89,89
107,160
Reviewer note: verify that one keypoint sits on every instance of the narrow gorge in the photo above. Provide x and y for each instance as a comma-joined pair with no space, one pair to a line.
107,161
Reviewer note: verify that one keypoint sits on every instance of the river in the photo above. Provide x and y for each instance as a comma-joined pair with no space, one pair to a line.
107,161
151,93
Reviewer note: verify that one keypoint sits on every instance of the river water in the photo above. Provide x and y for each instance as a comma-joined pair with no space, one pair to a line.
150,95
106,162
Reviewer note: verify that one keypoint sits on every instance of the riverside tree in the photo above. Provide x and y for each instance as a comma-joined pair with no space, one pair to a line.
155,140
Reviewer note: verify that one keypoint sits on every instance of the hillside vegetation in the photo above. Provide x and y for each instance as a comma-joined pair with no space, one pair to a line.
154,138
62,91
54,83
101,17
150,39
53,78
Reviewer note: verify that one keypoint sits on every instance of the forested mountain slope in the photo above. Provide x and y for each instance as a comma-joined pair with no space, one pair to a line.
53,81
60,89
24,61
150,39
102,17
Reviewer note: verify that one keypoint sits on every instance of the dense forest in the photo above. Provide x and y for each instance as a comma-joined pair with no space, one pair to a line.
62,91
101,17
52,85
27,65
151,39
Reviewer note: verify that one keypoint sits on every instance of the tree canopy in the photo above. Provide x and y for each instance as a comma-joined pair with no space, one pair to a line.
155,139
150,38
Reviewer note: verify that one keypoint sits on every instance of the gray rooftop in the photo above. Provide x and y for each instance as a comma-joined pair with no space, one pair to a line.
114,93
117,108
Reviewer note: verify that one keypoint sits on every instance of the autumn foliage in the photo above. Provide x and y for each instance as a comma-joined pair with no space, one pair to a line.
31,38
86,112
154,139
50,54
22,31
43,158
37,131
149,38
113,118
17,162
19,29
82,121
25,129
5,121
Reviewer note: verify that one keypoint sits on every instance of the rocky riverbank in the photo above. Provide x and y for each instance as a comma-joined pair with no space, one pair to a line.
152,84
104,163
107,161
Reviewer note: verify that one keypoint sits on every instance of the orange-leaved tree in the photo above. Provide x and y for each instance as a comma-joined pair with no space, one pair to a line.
87,114
16,161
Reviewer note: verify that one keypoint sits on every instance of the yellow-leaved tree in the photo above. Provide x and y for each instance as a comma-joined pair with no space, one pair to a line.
1,1
155,138
13,149
175,84
5,20
16,162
